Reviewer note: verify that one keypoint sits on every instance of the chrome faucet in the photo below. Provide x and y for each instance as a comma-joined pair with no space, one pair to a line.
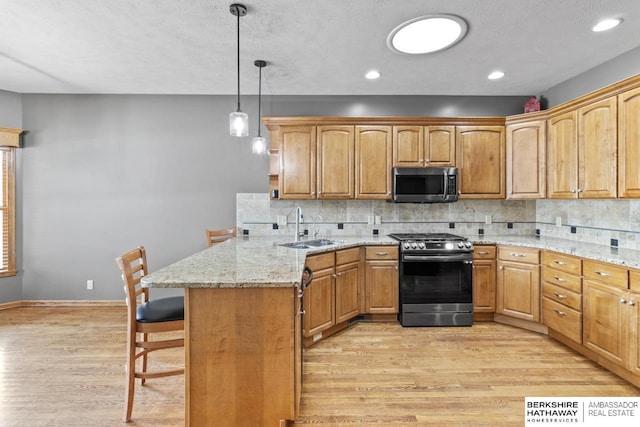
299,219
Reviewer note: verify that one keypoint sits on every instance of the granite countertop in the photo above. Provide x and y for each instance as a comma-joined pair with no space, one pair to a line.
261,262
245,262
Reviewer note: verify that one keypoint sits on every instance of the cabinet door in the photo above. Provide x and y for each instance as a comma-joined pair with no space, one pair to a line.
604,321
297,162
335,152
628,146
526,160
408,146
518,292
440,146
633,307
480,152
381,287
484,286
597,149
319,303
373,162
347,284
562,160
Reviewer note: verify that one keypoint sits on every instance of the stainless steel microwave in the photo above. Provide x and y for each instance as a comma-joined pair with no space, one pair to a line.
425,185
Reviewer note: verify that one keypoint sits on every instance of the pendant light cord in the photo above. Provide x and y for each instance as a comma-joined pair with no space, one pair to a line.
259,97
238,15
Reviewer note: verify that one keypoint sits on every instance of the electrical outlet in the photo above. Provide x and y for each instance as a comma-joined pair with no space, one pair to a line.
369,219
90,285
282,220
558,221
487,219
377,219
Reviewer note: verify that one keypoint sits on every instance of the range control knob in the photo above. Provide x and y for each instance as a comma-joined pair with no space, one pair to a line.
460,245
414,245
407,245
467,244
421,245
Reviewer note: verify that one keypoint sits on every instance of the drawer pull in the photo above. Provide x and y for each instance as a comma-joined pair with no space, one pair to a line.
518,255
559,262
559,279
560,295
560,313
483,253
600,273
382,253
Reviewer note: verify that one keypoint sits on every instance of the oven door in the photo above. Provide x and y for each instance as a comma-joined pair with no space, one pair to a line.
436,279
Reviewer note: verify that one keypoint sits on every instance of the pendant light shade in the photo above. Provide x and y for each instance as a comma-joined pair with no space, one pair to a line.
259,145
238,120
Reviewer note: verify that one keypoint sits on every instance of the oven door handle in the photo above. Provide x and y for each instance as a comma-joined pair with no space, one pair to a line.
438,258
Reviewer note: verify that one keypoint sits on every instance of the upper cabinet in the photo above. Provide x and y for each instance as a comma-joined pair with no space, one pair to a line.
526,159
297,162
582,152
480,152
629,144
335,153
418,146
373,162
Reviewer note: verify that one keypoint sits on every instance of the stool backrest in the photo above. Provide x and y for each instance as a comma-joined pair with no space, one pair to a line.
217,236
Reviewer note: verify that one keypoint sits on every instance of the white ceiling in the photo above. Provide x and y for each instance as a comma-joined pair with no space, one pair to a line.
312,47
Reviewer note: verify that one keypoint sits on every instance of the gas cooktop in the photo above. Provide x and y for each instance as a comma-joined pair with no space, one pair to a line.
428,237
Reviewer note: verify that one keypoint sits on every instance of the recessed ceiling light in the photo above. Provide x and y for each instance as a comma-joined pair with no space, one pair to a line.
372,75
606,24
495,75
427,34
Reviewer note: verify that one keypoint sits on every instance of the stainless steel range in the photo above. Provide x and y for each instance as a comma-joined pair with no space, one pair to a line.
435,279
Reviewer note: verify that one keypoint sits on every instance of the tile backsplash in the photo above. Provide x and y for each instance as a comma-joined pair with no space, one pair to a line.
606,222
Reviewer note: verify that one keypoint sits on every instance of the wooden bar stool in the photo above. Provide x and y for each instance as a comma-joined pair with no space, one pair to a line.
217,236
145,317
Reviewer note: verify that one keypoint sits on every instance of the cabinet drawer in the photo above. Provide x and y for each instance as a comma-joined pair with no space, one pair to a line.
561,278
562,319
606,273
634,280
381,252
346,256
321,262
518,254
484,252
562,296
562,262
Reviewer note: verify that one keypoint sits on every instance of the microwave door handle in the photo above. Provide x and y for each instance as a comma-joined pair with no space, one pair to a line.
446,178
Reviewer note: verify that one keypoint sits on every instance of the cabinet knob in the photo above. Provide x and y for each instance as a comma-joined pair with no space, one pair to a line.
501,268
623,301
396,267
302,311
334,276
631,303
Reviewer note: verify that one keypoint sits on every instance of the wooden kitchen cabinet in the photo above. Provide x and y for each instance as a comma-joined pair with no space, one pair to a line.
319,296
633,305
484,279
480,158
373,162
381,280
562,294
335,168
297,178
582,150
348,280
518,283
419,146
526,159
628,147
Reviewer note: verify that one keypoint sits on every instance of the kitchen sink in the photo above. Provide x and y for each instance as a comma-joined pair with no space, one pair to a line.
307,244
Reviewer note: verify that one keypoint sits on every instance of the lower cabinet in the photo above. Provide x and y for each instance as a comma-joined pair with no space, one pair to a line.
333,295
518,283
381,280
484,279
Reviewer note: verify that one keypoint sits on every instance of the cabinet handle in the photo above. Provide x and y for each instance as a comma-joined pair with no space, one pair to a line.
303,311
559,262
518,255
579,190
623,301
600,273
334,276
501,268
396,267
631,303
559,279
560,313
382,253
339,274
572,191
560,295
483,253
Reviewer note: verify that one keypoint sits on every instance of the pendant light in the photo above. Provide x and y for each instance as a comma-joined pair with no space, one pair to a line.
238,121
259,145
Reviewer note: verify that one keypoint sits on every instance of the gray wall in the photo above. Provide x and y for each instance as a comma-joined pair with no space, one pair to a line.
619,68
11,117
104,173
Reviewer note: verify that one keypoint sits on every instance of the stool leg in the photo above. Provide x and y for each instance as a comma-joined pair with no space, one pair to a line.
131,376
145,337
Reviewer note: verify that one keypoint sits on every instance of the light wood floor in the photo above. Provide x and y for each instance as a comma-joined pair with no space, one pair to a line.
65,367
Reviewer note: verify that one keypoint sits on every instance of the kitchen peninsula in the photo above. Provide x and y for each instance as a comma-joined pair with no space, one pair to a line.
243,325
